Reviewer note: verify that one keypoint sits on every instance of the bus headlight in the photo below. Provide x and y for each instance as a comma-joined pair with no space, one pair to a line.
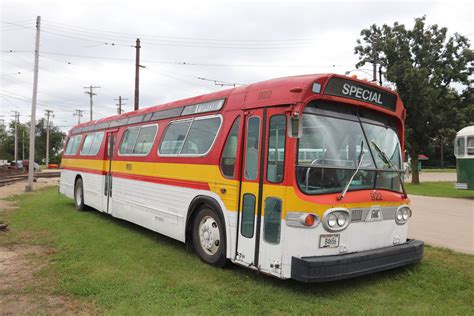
402,215
336,219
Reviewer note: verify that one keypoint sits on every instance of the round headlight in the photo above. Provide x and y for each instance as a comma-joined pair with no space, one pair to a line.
341,219
332,220
405,214
399,216
402,215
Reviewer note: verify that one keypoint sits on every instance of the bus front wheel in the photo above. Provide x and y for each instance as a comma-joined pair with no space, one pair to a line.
209,237
79,195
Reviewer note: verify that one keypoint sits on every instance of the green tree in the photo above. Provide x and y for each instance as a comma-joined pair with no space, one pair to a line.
425,65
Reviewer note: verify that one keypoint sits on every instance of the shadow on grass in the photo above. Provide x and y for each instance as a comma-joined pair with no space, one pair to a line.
326,289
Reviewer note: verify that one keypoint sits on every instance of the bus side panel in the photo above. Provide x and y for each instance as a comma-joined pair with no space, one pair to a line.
93,189
159,207
66,183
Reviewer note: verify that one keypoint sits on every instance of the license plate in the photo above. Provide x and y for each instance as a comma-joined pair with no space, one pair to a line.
329,241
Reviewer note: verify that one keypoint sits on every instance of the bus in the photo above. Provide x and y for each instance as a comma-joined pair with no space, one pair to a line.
464,152
295,177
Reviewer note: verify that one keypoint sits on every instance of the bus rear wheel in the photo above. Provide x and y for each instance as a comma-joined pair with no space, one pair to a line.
209,237
79,195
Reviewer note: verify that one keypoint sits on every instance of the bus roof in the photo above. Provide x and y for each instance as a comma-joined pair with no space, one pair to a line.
466,131
286,90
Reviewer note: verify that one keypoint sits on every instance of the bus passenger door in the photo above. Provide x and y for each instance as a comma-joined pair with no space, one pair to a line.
108,183
263,191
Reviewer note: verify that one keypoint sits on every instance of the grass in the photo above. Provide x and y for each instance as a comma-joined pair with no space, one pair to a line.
444,170
440,189
126,269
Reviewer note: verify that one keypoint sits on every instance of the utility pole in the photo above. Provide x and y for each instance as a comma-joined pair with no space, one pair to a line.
23,144
78,113
17,120
137,74
31,167
119,105
91,93
48,114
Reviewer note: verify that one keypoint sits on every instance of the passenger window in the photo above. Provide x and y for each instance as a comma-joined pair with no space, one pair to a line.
73,145
272,220
174,138
201,136
248,215
92,144
145,139
128,140
138,140
230,151
251,150
460,144
470,145
276,149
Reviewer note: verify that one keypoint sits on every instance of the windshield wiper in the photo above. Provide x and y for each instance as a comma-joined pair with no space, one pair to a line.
389,162
361,155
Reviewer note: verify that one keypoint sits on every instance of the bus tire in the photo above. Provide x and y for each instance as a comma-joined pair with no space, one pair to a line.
209,238
79,195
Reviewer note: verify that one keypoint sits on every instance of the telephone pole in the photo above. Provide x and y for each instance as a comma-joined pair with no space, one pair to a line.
79,114
137,74
91,93
17,120
48,114
119,105
31,165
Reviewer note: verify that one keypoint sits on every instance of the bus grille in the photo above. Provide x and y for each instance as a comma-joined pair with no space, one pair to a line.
356,215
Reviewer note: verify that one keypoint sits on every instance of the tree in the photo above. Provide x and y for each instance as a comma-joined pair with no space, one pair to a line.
425,65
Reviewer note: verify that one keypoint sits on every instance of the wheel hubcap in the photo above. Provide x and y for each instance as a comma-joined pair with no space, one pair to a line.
209,235
79,195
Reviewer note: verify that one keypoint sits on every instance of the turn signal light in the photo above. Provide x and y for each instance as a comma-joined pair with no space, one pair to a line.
309,220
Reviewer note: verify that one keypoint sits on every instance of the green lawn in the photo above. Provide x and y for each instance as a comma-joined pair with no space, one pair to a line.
125,269
442,189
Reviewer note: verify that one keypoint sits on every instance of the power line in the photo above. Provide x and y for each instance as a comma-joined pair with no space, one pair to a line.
119,105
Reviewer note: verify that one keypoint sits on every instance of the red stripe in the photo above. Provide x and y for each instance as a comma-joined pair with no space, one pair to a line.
174,182
99,172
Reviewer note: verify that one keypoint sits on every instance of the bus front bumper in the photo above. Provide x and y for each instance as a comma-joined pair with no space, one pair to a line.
338,267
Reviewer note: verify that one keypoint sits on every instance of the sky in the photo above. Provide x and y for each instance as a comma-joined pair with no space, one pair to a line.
185,46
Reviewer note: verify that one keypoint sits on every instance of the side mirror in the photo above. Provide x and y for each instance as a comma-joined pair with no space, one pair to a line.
295,125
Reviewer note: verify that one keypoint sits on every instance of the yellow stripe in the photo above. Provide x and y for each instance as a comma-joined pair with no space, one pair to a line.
211,175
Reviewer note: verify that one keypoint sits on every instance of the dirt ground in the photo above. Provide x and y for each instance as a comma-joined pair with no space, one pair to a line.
21,290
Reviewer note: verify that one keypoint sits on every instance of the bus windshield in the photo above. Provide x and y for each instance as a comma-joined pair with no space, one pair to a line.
329,152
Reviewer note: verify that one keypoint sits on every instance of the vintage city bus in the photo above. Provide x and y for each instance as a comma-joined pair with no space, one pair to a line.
464,152
295,177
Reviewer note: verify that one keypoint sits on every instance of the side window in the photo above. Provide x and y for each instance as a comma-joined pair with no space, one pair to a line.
128,140
251,148
73,145
95,147
201,136
92,143
190,137
276,149
138,140
145,139
460,144
174,138
470,145
230,151
248,215
272,220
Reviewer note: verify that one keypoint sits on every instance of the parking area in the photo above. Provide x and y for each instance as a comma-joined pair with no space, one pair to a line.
443,222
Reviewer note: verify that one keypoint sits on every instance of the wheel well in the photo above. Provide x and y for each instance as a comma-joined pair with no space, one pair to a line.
195,205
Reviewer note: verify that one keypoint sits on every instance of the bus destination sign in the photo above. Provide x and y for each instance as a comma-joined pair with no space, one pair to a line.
340,87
